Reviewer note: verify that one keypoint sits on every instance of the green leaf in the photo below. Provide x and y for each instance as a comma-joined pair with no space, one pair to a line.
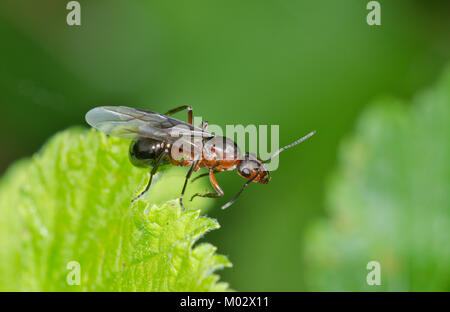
72,202
388,201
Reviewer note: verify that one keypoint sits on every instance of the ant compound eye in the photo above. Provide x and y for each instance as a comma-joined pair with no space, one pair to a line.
246,172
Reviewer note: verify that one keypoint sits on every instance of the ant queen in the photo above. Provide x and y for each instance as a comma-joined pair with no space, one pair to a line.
158,140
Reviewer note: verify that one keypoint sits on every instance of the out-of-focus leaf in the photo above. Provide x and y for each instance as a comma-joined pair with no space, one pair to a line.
72,202
389,201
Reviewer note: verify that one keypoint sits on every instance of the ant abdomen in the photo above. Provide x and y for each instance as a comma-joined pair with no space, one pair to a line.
145,151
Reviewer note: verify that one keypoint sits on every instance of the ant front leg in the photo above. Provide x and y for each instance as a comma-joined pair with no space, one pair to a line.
181,108
214,184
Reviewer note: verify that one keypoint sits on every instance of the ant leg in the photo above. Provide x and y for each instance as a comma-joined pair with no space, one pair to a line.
200,176
191,169
203,175
214,184
179,109
154,169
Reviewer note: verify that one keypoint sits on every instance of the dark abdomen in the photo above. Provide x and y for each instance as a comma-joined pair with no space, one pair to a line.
144,152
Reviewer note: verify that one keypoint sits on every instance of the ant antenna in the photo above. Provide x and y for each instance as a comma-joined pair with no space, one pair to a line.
290,145
240,192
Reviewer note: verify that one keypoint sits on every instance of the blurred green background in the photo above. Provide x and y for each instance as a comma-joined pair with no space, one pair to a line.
303,65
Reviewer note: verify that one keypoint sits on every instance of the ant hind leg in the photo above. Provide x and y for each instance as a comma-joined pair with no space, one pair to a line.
152,173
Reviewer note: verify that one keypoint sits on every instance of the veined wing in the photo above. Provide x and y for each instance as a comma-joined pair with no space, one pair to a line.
131,123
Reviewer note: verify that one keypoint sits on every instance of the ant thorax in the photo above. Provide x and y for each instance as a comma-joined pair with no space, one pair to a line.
220,153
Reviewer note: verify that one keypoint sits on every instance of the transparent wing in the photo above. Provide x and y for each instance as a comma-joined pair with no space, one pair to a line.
131,123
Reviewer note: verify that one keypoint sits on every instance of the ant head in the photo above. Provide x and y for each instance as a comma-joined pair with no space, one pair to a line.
252,168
